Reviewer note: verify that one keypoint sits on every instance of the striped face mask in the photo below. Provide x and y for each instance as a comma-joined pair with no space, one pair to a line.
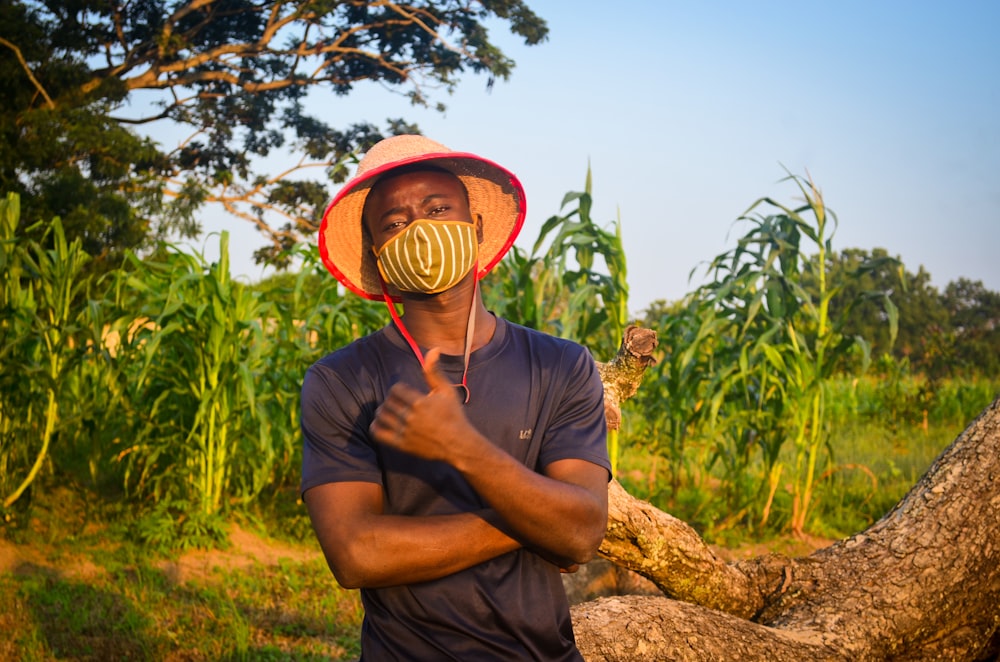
429,256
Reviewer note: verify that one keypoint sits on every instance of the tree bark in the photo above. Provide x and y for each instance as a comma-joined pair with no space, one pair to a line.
622,375
922,583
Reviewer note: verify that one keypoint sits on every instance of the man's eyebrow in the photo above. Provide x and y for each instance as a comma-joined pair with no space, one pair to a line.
427,200
430,198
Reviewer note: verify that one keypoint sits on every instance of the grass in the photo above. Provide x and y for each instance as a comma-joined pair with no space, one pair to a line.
872,467
75,587
872,470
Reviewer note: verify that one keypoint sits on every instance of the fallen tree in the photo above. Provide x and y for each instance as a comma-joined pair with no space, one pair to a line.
922,583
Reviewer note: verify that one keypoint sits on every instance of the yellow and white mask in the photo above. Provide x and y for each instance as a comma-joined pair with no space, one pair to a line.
429,256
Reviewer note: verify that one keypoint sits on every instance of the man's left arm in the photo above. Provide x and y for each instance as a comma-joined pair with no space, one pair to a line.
563,512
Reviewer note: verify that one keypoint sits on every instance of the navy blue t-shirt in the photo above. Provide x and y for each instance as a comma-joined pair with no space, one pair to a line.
537,397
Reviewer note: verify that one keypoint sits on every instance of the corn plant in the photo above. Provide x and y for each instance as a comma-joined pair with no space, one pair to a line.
310,315
39,342
198,347
559,289
783,343
94,407
672,401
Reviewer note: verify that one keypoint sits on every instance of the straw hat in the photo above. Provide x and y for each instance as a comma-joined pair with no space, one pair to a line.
494,192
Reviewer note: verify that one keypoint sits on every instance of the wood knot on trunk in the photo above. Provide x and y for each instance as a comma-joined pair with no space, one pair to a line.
623,374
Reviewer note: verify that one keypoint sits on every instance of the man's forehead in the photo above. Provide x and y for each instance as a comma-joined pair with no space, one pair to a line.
401,179
413,175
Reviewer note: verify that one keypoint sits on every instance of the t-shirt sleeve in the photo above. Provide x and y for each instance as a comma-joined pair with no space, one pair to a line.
578,429
336,446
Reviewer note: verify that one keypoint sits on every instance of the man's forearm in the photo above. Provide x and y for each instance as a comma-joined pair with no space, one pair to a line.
564,514
391,550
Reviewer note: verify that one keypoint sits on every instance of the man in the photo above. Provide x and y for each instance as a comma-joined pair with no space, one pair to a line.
454,462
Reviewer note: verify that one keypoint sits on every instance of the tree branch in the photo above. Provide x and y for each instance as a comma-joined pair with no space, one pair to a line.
27,70
922,583
623,373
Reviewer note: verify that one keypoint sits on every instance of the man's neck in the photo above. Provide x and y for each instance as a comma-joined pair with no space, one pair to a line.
441,320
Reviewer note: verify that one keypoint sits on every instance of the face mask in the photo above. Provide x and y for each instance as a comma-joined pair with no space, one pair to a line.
429,256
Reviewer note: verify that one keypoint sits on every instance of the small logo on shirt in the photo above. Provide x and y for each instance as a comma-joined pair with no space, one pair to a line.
526,434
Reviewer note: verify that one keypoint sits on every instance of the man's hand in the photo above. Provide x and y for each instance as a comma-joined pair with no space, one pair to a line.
426,425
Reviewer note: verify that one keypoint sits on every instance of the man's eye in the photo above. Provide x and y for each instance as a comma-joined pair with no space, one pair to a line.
439,210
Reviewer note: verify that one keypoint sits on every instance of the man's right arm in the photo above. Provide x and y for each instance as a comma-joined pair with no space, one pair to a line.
365,548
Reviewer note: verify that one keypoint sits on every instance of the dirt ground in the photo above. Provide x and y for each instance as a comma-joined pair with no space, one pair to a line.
246,549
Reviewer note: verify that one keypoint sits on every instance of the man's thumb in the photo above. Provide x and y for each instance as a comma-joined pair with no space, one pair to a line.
432,372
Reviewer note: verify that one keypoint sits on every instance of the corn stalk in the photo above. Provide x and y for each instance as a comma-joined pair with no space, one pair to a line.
200,348
560,288
783,344
39,288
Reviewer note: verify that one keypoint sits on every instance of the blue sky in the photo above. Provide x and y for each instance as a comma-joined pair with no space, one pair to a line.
687,113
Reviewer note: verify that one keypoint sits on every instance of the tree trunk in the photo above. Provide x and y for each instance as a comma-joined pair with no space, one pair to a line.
922,583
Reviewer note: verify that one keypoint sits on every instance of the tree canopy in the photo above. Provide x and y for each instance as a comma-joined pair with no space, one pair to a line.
941,333
81,80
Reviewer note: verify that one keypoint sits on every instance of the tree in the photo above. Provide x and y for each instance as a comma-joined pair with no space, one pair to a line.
922,583
923,318
861,288
941,334
974,315
78,79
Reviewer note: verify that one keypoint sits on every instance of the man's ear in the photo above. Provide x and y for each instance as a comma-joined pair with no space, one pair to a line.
479,228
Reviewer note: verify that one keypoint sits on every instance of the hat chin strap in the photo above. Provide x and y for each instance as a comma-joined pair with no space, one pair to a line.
470,329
